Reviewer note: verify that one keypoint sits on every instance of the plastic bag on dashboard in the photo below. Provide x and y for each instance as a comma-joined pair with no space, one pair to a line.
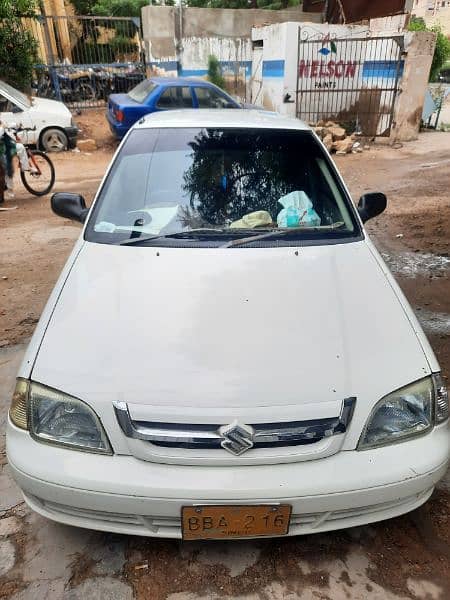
298,210
259,218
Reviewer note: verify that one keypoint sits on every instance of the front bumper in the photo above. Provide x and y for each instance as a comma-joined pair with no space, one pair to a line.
72,134
126,495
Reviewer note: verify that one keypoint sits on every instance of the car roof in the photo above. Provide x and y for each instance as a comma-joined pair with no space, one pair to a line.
182,81
215,117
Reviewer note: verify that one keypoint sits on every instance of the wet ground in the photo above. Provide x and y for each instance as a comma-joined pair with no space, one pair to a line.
407,557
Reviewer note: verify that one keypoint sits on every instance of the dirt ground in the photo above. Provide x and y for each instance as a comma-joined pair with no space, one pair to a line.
407,557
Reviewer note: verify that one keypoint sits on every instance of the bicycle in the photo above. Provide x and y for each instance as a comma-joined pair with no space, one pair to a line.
40,179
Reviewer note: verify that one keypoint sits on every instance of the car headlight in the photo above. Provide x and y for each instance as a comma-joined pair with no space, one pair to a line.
441,399
56,418
405,413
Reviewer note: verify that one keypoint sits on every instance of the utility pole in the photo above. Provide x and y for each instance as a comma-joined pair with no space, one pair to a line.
179,38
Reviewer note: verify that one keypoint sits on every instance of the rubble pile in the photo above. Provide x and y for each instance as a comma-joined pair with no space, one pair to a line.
336,139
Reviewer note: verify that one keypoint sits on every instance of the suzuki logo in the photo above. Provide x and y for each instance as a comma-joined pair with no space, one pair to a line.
237,438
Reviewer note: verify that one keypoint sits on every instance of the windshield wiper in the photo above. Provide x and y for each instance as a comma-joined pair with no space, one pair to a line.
279,233
178,235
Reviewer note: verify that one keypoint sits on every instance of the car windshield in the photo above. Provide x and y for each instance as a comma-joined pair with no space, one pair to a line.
14,94
140,92
221,183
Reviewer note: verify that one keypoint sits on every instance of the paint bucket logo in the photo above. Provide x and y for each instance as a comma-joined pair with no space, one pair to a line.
328,47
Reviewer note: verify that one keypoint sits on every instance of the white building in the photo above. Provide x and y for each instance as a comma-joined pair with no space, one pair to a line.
438,13
351,74
420,8
435,6
325,71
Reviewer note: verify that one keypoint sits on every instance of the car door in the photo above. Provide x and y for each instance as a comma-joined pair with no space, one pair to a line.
174,97
11,113
207,97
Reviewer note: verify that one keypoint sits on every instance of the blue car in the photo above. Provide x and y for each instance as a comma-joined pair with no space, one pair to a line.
163,93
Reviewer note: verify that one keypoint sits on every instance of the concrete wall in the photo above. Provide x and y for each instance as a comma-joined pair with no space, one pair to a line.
389,25
182,47
419,49
280,57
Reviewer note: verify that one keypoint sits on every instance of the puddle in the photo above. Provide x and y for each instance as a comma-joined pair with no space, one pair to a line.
434,322
415,264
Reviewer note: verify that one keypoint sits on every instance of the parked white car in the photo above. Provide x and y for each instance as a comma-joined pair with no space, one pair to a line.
55,128
225,353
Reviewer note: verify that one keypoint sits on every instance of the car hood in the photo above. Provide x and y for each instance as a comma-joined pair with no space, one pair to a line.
51,107
234,328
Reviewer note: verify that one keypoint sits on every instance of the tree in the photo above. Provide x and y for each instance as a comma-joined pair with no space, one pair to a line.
215,73
229,177
442,50
113,8
268,4
18,48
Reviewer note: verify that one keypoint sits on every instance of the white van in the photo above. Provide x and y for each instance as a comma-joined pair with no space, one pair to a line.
226,354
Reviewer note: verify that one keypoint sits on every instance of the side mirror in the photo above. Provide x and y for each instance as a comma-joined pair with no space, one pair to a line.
371,205
69,206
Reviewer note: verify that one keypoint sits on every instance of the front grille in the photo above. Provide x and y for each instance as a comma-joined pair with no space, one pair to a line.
214,436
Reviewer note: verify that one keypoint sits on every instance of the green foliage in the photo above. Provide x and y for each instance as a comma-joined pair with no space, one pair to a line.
417,24
215,72
83,7
442,50
255,179
219,3
113,8
124,31
441,53
267,4
118,8
18,48
132,8
270,5
120,44
15,9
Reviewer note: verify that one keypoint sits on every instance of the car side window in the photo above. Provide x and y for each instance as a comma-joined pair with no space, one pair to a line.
175,97
6,105
208,98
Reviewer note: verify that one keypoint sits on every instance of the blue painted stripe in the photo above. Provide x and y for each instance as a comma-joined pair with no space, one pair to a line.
193,72
385,69
232,65
227,66
273,68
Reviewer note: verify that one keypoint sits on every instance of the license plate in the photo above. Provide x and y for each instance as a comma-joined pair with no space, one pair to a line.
218,522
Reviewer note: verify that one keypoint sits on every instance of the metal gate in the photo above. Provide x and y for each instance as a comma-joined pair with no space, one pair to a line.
351,81
84,59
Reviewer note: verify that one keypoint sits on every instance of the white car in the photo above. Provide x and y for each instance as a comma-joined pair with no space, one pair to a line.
55,129
225,353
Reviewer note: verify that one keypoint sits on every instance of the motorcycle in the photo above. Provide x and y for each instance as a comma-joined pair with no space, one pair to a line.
74,85
103,83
